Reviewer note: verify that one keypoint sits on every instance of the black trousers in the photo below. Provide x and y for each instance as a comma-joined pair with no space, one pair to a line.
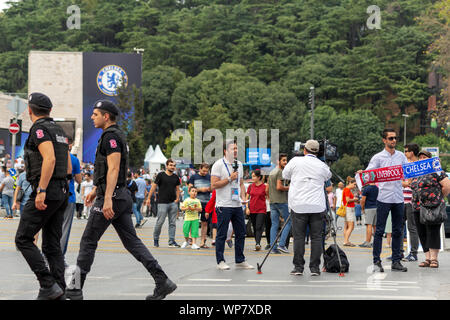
315,222
268,223
50,221
412,228
97,225
429,235
258,222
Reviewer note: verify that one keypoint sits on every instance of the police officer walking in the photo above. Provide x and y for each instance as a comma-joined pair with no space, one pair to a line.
47,166
113,205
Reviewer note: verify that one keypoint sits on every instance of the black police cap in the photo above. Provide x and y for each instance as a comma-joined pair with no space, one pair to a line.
40,100
107,106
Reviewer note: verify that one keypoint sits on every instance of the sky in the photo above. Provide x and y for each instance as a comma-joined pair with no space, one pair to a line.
3,4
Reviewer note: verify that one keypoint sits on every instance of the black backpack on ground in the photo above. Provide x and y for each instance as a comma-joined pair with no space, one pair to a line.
331,261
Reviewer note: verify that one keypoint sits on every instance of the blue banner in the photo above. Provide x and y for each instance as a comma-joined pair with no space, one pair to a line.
258,156
421,168
102,74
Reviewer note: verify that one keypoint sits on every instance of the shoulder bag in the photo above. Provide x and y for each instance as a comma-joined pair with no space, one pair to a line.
433,216
342,211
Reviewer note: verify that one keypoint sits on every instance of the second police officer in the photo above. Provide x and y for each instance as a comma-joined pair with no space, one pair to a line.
47,166
113,205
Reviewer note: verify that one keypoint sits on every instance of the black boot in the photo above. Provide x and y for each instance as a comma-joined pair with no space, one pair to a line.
397,266
74,294
162,290
53,293
377,267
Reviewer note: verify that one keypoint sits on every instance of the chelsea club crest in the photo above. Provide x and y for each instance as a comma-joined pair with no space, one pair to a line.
109,78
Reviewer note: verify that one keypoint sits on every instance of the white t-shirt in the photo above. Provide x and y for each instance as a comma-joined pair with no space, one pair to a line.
2,176
223,195
308,176
87,187
339,192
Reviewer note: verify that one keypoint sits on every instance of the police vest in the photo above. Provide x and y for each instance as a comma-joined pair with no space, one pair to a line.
33,158
101,163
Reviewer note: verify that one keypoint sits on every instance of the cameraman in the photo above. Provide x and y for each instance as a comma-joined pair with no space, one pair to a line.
306,200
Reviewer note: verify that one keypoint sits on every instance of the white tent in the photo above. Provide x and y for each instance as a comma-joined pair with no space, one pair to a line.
156,160
148,155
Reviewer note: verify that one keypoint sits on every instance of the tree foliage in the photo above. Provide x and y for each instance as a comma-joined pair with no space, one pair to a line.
249,64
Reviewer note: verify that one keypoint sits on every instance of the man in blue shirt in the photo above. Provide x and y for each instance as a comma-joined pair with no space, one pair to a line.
390,199
140,194
202,182
70,209
22,184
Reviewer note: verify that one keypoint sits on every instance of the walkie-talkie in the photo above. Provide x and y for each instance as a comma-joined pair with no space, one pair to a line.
235,165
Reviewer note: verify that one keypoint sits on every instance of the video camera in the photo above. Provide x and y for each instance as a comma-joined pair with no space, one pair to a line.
327,151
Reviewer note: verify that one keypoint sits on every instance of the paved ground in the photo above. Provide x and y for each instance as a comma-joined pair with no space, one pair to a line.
117,276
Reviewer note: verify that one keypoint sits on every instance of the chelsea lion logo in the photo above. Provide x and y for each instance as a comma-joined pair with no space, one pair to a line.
110,78
437,164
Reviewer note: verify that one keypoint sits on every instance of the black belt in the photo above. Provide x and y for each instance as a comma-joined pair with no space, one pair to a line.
101,189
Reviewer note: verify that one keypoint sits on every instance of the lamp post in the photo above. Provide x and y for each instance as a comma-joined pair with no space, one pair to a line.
404,128
311,101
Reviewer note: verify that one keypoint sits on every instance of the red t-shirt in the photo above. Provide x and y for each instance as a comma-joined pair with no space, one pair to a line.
348,193
211,207
257,198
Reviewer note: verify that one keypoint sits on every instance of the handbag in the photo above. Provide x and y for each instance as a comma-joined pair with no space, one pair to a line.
432,216
21,194
342,211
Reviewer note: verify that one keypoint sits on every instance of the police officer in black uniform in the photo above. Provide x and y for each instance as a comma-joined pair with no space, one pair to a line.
47,165
113,205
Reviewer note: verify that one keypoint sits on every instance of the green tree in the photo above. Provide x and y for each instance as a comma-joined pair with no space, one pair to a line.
346,167
131,104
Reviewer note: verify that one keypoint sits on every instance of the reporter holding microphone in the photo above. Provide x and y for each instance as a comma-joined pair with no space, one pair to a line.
227,179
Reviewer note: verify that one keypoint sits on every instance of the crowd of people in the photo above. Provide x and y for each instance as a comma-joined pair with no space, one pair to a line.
219,211
214,203
214,200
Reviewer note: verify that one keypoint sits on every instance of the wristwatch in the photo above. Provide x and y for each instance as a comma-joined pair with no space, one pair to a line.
40,190
229,179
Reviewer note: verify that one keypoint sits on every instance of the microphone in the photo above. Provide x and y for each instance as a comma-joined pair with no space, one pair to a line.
235,165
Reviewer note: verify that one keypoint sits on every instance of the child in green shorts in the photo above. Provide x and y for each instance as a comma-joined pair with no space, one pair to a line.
192,207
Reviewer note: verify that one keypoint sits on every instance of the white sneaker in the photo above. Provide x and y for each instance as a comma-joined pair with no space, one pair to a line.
244,265
184,245
194,246
223,266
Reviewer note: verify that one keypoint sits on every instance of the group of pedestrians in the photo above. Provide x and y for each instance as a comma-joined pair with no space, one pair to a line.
295,191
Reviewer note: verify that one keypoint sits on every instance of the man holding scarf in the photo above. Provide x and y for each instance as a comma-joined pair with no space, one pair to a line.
390,199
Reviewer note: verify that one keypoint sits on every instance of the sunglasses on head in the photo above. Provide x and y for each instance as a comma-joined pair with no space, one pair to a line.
392,138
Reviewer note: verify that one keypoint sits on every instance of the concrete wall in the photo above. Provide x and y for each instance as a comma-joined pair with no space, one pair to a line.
59,75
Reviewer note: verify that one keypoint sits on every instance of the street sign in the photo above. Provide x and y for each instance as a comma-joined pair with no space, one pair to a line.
16,106
17,136
14,128
433,150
